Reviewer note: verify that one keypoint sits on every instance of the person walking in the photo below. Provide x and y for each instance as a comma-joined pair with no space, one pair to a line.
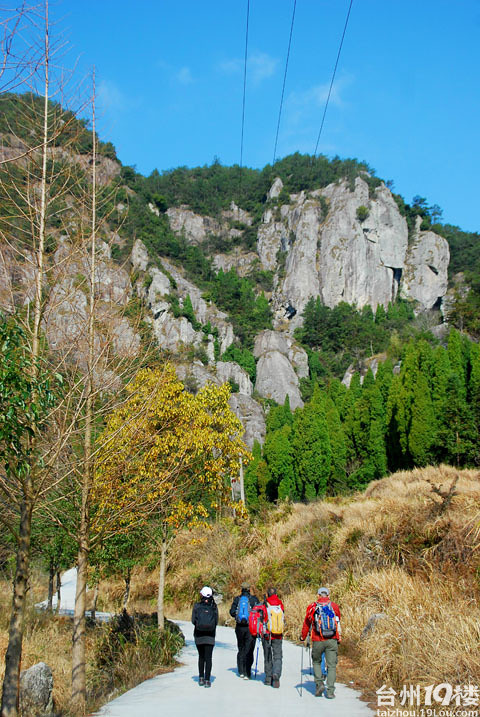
272,640
205,620
323,618
240,610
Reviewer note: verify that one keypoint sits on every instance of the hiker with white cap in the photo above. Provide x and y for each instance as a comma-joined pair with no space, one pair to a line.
205,620
323,619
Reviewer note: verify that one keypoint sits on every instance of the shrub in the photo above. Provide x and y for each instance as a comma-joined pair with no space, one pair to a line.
362,213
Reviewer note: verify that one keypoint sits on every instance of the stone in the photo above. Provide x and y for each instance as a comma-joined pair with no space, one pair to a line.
36,686
276,379
229,370
139,257
6,289
184,221
241,261
174,332
269,340
160,287
371,623
251,416
426,269
275,189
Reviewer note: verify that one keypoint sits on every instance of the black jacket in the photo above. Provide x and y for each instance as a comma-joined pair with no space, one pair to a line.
251,599
204,637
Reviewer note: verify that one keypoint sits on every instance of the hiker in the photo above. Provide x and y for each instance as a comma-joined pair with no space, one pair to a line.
205,620
323,618
272,639
240,610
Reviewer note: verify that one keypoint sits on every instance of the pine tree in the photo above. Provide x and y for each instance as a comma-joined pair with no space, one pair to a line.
311,446
337,478
278,454
422,424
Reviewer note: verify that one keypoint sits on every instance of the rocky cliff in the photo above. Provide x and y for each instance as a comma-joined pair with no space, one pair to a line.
343,242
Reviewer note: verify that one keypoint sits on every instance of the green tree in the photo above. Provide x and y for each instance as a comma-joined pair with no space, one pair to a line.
312,449
278,454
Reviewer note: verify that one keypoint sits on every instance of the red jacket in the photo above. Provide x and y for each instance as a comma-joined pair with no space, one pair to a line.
273,600
309,621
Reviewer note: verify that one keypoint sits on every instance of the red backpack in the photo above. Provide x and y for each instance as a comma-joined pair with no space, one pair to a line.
257,621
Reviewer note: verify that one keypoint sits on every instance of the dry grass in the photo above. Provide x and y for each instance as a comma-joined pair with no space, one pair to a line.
46,639
408,546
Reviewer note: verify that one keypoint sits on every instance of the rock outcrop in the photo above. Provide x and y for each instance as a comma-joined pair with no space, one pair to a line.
252,417
231,371
322,244
276,376
426,268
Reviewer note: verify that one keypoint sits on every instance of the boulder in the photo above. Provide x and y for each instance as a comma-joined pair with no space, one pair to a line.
275,189
372,621
425,278
229,370
276,379
36,686
139,257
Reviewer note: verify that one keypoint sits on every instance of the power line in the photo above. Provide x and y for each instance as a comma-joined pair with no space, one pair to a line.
284,81
333,78
244,86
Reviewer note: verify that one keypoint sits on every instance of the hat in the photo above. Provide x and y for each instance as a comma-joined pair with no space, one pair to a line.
323,591
206,591
245,586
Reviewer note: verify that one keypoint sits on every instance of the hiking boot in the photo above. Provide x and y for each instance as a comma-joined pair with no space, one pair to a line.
208,683
276,681
246,677
268,681
319,691
241,675
330,696
201,681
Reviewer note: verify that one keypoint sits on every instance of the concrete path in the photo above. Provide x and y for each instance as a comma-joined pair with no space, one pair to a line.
68,586
178,693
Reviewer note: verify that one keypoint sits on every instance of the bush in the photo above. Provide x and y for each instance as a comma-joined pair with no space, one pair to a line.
362,213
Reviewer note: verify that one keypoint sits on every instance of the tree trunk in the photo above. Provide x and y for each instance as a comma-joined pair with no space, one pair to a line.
59,594
242,484
126,594
94,604
79,689
161,585
51,576
13,655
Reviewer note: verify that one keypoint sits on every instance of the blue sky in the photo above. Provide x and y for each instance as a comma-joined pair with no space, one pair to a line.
406,97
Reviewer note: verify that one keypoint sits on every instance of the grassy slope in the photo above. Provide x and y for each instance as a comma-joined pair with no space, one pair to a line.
406,547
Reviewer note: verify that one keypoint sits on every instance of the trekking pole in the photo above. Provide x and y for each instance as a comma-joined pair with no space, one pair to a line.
301,675
309,648
256,661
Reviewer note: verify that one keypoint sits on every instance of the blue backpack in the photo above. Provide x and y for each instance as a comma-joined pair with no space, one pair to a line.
325,623
243,610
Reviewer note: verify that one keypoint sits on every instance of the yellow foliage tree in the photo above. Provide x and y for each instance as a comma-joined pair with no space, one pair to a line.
166,456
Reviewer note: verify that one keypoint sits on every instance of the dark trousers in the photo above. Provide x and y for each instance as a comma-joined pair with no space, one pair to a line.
272,653
205,660
246,646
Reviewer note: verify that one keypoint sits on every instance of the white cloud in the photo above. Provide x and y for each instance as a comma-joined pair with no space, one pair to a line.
110,97
260,66
184,76
302,106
